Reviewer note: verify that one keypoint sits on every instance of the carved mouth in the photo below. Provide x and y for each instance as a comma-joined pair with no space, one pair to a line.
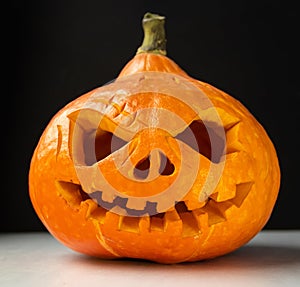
189,221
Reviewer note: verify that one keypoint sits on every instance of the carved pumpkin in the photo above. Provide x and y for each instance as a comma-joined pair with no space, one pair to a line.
155,165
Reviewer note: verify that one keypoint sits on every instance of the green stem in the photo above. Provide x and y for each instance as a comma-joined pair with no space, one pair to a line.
154,35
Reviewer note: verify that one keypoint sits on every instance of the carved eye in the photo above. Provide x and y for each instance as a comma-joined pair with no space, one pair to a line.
101,146
200,137
106,143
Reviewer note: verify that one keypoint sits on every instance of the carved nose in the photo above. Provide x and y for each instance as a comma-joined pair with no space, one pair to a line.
154,165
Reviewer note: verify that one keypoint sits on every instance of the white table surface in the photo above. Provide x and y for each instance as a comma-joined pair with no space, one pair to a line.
272,258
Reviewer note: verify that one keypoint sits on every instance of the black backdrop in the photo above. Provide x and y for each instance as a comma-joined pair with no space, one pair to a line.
58,50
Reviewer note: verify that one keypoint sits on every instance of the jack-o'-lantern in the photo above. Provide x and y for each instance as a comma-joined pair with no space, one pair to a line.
155,165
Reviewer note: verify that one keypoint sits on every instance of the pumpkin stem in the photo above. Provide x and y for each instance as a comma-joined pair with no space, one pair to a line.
154,35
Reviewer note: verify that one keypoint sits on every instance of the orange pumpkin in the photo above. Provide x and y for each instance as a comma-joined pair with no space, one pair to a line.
155,165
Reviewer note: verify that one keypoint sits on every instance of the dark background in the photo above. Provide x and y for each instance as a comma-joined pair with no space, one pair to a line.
58,50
